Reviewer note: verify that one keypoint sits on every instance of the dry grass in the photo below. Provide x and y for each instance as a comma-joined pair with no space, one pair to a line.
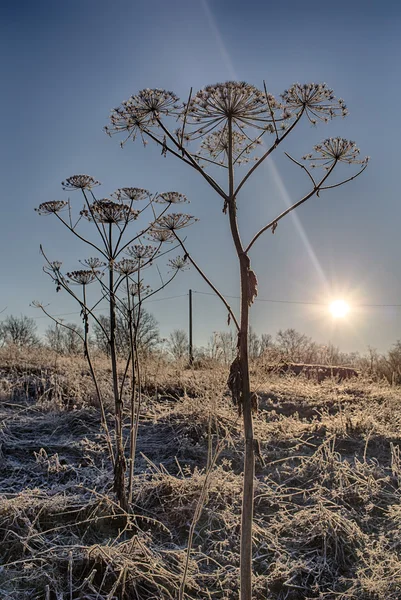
327,500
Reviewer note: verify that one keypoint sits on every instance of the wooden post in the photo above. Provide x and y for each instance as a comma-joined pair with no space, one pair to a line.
191,354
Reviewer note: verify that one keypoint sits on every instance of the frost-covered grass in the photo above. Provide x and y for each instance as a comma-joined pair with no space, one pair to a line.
327,500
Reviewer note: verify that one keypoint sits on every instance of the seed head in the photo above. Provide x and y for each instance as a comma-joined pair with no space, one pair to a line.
141,112
131,193
336,150
171,198
155,102
126,266
140,253
242,103
79,182
179,263
161,236
216,145
107,211
127,118
316,99
52,207
93,263
173,221
83,277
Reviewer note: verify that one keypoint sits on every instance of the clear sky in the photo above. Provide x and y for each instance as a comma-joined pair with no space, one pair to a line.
66,64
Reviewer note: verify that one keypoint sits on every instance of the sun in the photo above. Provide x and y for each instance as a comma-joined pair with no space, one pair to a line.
339,309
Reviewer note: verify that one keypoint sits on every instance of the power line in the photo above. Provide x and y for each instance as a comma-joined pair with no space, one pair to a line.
168,298
99,309
300,302
261,299
269,300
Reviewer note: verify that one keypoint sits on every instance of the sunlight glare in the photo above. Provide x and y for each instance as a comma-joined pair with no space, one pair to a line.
339,309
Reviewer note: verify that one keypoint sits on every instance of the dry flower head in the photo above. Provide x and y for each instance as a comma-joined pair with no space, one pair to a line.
79,182
51,207
108,211
161,236
334,150
83,277
140,252
179,263
131,193
126,266
171,198
173,221
93,263
315,99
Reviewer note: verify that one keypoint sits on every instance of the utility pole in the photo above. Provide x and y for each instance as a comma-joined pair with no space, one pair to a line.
191,354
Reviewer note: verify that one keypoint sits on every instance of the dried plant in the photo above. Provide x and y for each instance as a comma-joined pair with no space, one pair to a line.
227,125
123,290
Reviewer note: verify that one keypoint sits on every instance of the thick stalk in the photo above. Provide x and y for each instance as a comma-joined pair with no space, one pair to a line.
249,461
94,378
139,401
137,363
120,465
133,395
245,400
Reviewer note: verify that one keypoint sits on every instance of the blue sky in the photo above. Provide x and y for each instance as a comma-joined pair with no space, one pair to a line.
65,65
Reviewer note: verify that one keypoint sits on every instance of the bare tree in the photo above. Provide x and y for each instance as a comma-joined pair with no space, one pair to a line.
19,331
178,344
254,343
65,340
225,125
328,354
295,347
373,360
393,362
266,342
227,346
148,335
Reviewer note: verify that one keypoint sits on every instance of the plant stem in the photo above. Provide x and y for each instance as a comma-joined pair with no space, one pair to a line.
245,400
94,378
249,461
120,465
136,361
132,338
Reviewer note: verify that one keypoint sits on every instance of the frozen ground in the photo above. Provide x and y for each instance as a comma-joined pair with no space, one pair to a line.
327,501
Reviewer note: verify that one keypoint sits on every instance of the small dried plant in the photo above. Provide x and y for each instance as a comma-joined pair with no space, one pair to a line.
124,256
229,125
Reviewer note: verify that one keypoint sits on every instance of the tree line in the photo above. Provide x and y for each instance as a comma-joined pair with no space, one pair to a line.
288,345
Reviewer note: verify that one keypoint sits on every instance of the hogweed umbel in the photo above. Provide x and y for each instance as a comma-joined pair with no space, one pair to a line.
171,198
334,150
141,253
316,100
82,277
160,235
131,193
126,266
239,102
107,211
179,263
51,207
93,263
228,125
80,182
174,222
